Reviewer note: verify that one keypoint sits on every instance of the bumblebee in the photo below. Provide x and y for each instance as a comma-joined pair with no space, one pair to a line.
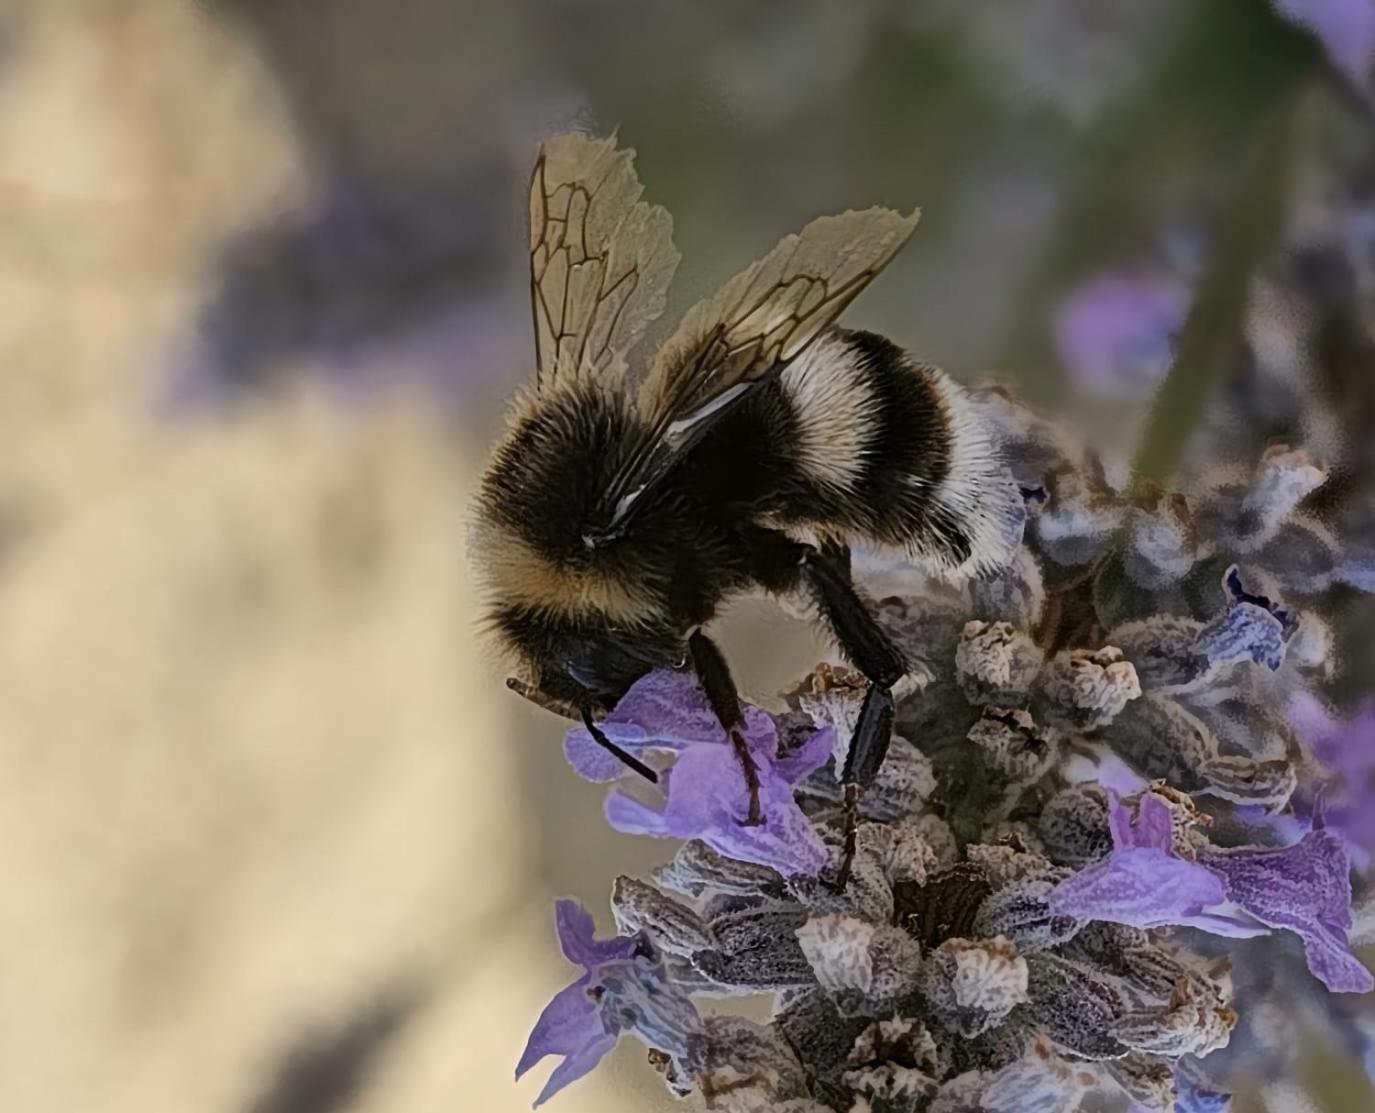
630,499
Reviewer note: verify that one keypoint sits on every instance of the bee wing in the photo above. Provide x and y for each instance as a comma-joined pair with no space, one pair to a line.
763,317
769,312
600,258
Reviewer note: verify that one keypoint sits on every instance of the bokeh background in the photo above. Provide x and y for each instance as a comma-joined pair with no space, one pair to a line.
273,837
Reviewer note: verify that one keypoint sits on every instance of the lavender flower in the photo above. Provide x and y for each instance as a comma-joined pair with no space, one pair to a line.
1144,883
1086,807
706,793
623,988
1346,29
1306,889
1346,750
1115,334
356,269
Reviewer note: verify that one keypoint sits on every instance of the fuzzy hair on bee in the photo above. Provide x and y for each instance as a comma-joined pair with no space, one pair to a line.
631,498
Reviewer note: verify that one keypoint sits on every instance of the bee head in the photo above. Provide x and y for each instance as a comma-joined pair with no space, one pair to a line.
570,667
580,605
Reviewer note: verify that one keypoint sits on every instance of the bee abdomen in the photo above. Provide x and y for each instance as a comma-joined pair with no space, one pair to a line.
895,453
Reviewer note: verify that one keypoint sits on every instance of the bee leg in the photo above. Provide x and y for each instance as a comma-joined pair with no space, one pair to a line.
868,748
712,670
865,644
781,564
837,554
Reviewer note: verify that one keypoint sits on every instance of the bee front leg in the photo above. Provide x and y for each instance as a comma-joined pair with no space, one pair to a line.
712,670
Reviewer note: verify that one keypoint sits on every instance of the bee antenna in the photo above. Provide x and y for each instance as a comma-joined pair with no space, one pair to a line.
610,747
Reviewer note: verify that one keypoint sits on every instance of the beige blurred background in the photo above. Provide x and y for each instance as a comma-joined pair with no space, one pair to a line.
274,839
267,841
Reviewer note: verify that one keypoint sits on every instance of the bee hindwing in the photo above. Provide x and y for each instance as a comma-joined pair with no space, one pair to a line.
768,313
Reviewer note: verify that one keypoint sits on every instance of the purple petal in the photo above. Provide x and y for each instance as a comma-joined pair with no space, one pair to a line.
576,929
664,710
1332,963
1153,826
1115,334
807,758
1346,29
1142,887
1306,889
1313,719
708,799
567,1023
575,1066
1358,572
631,817
1246,632
1194,1095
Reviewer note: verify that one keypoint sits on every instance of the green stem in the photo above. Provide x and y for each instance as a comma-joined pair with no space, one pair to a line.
1210,341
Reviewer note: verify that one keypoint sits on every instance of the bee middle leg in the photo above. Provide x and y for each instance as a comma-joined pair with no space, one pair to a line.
712,670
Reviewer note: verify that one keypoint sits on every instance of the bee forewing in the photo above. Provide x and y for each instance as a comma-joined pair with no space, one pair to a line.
601,260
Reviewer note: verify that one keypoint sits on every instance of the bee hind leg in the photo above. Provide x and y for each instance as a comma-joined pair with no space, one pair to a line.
864,642
712,670
782,564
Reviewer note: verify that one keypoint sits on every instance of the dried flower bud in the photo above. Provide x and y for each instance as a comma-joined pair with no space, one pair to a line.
1305,556
1162,541
1164,651
697,867
1078,519
756,948
740,1067
995,663
1086,689
1264,784
1246,515
1077,1006
1004,863
832,696
973,984
1074,826
1013,745
1021,912
860,964
1147,1081
1194,1021
904,782
895,1060
1017,594
674,927
1039,1082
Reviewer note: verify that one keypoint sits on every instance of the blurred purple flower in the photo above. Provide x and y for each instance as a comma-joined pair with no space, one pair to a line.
1346,29
1194,1094
1306,889
362,278
1143,883
1115,333
1346,747
623,988
706,794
